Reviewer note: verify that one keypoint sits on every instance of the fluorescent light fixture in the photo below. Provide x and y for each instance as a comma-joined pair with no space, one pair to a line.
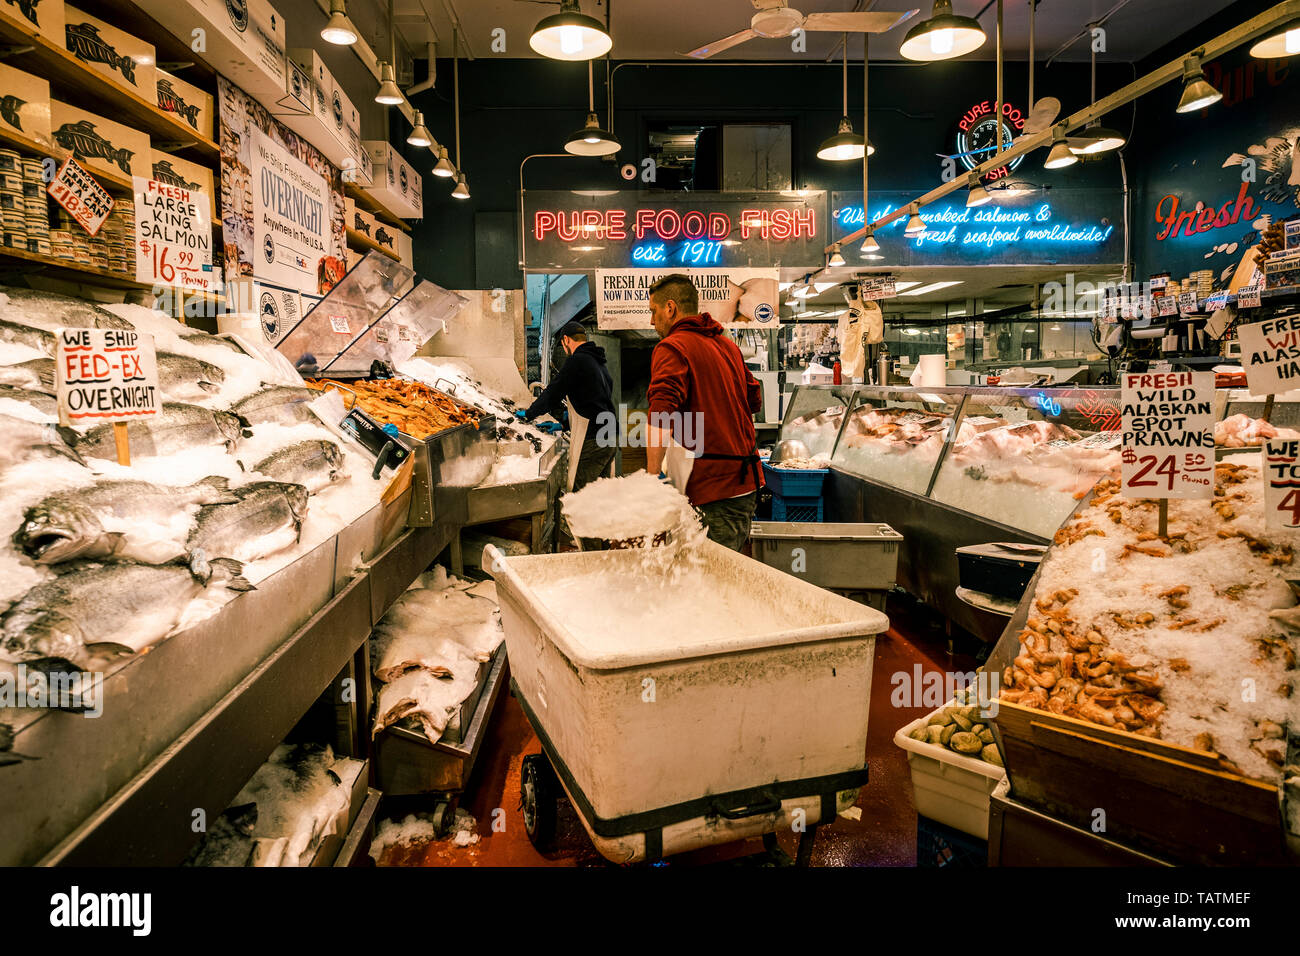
444,168
1197,91
1060,156
837,257
915,225
1054,328
570,35
782,286
420,135
461,191
932,287
900,286
591,140
834,315
911,331
338,29
1285,43
943,36
823,286
388,94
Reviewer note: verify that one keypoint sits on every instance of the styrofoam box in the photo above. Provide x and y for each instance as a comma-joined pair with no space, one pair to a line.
949,787
190,104
120,57
32,115
44,18
393,177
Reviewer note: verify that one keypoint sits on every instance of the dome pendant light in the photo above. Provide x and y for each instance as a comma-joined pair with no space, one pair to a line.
338,29
1095,137
444,168
1285,43
570,35
420,135
1060,156
389,94
978,195
845,144
591,140
943,36
915,225
1197,91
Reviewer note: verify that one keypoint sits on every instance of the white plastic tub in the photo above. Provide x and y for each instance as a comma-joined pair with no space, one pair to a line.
949,787
636,725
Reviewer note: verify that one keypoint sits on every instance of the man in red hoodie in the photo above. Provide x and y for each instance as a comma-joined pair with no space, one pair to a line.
701,392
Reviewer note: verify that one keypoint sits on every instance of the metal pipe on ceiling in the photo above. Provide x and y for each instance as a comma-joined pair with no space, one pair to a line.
1086,31
1173,70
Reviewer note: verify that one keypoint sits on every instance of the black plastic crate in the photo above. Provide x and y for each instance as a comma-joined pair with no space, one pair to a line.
939,846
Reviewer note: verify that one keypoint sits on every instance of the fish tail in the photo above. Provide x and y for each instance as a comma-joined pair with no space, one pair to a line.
218,488
231,574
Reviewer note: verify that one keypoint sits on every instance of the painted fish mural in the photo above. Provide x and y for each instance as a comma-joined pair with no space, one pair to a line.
170,100
164,173
9,107
85,143
85,43
28,8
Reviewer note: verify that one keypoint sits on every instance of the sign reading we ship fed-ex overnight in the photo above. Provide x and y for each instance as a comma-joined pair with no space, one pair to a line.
105,375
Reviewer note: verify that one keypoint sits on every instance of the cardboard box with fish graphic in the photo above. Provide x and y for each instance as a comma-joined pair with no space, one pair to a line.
25,105
363,222
99,143
186,101
122,58
330,125
395,180
40,16
175,171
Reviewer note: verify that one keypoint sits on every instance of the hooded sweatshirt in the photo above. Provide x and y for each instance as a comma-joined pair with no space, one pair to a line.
697,369
586,382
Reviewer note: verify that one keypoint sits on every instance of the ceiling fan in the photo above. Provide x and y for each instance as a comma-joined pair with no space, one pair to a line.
775,19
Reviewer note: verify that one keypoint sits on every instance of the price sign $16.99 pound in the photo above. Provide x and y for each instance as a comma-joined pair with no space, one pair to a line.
1168,435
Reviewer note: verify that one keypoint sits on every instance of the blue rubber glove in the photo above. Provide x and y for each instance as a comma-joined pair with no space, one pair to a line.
550,428
390,429
521,414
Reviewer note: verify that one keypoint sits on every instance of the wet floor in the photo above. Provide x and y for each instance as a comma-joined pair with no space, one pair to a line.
884,835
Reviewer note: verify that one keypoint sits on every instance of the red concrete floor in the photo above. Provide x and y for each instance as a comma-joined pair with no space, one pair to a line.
884,836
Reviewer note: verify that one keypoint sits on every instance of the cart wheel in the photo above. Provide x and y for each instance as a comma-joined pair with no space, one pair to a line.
540,795
442,817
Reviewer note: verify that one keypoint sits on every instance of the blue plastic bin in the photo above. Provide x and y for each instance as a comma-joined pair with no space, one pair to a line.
795,482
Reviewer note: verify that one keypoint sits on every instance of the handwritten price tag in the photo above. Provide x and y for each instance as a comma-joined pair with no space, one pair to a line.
173,229
1168,435
81,195
339,323
1248,297
1186,303
1166,305
1282,484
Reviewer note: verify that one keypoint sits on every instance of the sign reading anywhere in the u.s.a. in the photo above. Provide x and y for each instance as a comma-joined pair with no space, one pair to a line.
1168,444
105,375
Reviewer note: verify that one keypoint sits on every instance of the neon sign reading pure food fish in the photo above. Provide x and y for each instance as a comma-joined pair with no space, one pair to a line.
164,173
84,143
85,43
170,100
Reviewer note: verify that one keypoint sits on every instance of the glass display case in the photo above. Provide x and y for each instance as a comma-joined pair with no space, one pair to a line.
895,435
814,415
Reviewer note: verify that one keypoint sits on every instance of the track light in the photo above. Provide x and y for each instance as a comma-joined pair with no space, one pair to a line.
915,225
943,36
420,135
978,195
1285,43
570,35
1060,156
837,257
338,29
1197,91
444,168
461,191
870,247
389,94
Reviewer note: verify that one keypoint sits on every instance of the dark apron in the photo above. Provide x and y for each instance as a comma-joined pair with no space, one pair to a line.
751,461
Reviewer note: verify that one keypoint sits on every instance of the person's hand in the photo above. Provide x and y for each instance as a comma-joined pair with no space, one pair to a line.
550,427
521,414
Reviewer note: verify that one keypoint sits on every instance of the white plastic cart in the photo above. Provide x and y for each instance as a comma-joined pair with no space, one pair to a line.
745,736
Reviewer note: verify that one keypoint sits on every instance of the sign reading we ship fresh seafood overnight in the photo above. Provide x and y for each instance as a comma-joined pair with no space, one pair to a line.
291,216
1270,354
1167,449
105,375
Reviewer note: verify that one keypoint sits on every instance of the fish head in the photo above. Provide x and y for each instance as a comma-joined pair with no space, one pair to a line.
232,426
211,373
58,530
48,634
333,456
297,497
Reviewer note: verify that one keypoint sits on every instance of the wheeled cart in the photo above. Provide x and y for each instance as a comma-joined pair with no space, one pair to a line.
701,739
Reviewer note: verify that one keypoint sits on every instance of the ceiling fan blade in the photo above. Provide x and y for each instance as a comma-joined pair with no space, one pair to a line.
873,22
726,43
1042,114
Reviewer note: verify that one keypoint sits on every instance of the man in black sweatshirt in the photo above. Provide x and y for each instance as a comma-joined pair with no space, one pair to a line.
585,381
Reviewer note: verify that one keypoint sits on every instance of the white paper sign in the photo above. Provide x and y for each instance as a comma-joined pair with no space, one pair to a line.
1168,443
737,298
1270,354
1282,484
81,195
1166,305
1248,297
291,215
1186,302
173,236
105,375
